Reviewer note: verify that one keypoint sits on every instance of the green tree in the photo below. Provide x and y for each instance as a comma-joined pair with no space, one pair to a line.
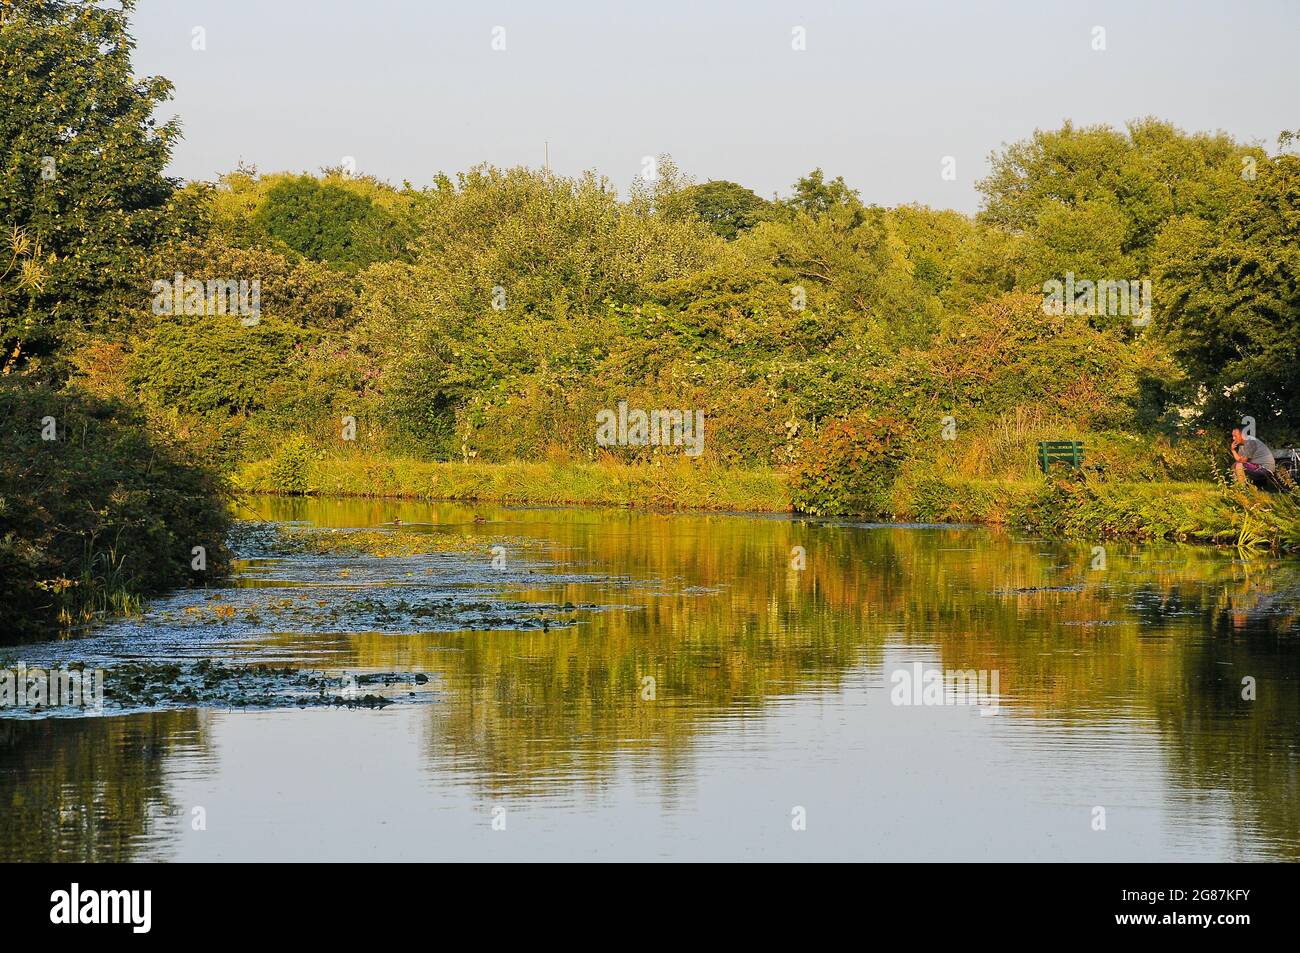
213,364
728,208
813,195
1087,238
1109,190
319,220
82,170
302,292
1228,294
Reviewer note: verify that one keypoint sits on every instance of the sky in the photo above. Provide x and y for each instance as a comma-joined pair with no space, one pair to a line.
880,93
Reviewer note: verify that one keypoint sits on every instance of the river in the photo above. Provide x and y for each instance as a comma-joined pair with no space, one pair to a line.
608,684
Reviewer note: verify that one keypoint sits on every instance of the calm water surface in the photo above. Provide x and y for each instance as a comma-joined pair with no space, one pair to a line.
1119,688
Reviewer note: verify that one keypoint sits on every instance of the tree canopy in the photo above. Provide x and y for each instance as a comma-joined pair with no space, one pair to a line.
82,183
727,207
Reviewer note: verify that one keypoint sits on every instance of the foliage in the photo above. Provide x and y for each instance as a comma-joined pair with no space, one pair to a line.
303,293
513,276
849,467
349,221
290,465
106,513
522,303
814,196
1095,197
1230,300
214,364
321,220
728,208
82,170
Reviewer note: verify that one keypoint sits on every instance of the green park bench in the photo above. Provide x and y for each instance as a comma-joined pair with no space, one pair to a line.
1060,451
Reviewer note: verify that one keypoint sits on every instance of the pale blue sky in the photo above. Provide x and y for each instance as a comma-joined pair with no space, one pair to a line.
881,94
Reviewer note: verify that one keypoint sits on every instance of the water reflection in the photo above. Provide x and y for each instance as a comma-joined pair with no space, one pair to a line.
707,642
90,789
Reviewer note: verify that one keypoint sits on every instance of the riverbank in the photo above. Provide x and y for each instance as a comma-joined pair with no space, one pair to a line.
676,484
1189,512
1192,512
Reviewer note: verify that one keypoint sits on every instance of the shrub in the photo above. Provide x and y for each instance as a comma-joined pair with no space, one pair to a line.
107,513
319,220
290,466
849,467
212,365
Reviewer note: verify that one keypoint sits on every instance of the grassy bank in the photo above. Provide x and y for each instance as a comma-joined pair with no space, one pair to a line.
1199,512
677,484
1195,512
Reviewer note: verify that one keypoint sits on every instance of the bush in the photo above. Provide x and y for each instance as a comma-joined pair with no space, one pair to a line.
213,365
849,468
319,220
290,466
101,516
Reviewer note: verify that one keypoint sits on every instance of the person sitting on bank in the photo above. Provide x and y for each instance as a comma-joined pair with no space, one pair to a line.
1254,460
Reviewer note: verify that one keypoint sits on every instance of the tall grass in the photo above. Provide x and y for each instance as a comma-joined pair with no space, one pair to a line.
1006,448
1197,512
673,484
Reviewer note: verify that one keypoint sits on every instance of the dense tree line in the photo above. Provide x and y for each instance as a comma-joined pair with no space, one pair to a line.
492,315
